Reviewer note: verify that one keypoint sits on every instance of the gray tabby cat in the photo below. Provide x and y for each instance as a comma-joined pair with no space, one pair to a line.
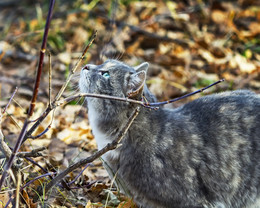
203,154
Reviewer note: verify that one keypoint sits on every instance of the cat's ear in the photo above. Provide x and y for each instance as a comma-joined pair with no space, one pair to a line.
136,83
142,67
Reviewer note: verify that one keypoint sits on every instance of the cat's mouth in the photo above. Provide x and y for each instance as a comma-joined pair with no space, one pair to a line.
84,80
85,67
84,74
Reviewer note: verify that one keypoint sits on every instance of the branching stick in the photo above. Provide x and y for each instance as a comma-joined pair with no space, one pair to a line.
75,67
144,104
53,103
33,100
109,146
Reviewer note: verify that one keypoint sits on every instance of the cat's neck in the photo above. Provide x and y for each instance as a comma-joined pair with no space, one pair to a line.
105,122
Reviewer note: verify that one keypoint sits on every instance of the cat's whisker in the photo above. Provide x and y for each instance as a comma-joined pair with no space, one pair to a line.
78,101
83,103
119,55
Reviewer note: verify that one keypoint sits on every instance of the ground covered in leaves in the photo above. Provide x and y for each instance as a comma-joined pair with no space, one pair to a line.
189,45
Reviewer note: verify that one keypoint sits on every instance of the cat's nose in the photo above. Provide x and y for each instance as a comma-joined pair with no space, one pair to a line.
86,67
90,67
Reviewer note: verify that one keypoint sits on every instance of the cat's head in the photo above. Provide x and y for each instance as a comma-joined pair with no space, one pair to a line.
114,78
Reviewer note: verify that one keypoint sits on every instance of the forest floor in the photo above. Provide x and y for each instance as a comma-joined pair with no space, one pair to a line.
188,44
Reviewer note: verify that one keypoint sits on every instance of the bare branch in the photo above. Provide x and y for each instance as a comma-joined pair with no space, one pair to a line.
185,96
73,181
4,147
71,98
33,153
50,78
75,67
18,187
42,133
108,147
53,104
32,104
39,120
10,100
35,163
40,64
14,152
144,104
27,184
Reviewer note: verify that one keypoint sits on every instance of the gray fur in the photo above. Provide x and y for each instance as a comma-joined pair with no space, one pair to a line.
203,154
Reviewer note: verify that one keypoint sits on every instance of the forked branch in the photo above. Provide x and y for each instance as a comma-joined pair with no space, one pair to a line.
108,147
144,104
33,100
53,104
75,67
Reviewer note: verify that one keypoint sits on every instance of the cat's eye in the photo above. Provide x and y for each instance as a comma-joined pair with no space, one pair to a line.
105,74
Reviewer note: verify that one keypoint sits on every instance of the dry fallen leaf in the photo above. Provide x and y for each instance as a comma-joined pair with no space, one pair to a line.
28,200
4,197
89,205
216,36
243,64
56,152
219,16
127,203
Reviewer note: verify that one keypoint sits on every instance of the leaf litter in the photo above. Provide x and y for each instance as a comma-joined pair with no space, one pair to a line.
188,45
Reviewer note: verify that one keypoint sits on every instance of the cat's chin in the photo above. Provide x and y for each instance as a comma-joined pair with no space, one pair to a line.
84,82
82,86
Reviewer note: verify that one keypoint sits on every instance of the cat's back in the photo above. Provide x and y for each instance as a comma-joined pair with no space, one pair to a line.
212,144
225,129
224,117
230,106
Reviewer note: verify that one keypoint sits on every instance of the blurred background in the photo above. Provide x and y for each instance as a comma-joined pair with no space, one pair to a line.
189,44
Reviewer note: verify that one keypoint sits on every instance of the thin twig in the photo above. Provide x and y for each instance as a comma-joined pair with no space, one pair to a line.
35,163
53,104
14,120
18,187
10,100
27,184
75,67
4,147
185,96
33,153
37,178
14,152
40,64
108,147
39,120
42,168
144,104
80,95
45,130
73,181
42,133
50,78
